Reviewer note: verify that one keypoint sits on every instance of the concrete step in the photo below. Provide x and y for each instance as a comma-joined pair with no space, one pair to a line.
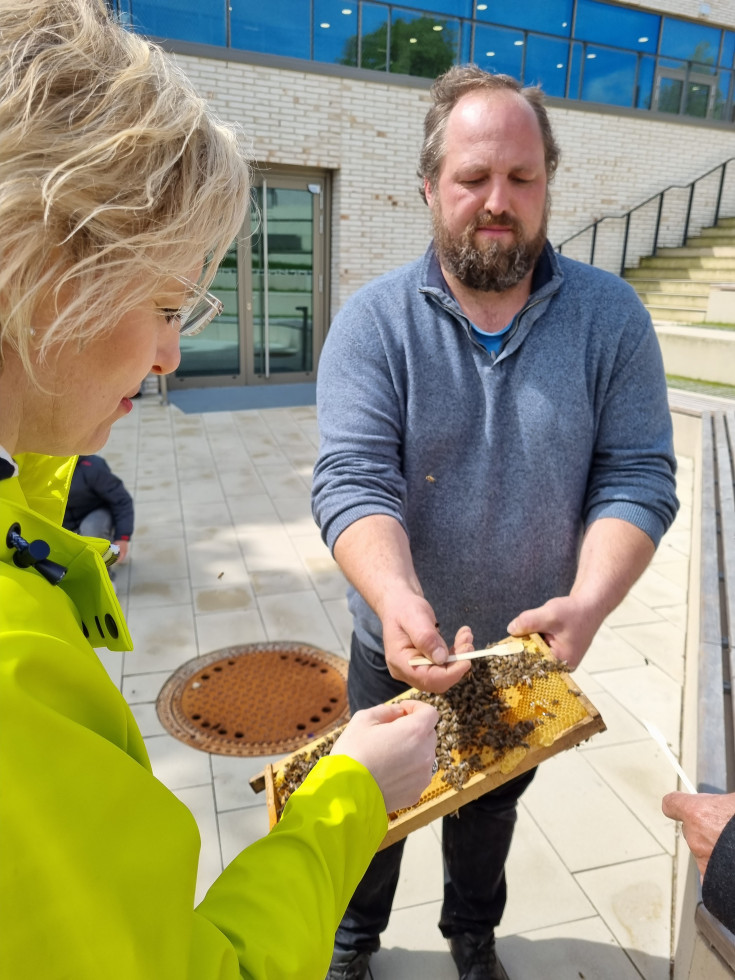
709,251
714,264
708,276
681,315
673,301
684,287
712,241
717,231
726,223
696,352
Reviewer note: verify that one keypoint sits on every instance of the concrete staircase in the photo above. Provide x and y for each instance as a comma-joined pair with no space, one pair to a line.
674,284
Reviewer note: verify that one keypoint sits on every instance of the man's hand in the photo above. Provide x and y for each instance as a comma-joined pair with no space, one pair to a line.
703,817
410,630
566,624
613,555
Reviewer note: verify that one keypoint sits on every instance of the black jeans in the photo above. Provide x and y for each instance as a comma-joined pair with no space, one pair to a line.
475,842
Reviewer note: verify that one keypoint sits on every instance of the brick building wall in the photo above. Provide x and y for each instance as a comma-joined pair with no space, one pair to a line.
368,133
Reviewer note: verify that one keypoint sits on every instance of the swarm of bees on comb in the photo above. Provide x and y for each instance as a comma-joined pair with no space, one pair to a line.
471,721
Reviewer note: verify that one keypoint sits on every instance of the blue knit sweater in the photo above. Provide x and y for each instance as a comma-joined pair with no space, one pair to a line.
494,466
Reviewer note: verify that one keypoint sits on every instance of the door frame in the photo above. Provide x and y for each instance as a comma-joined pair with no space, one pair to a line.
294,178
298,178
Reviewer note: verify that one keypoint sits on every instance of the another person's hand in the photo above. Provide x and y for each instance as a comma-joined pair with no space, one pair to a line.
123,546
397,744
410,630
703,817
567,625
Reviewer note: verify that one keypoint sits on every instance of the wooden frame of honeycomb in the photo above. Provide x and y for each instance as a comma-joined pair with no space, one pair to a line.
562,716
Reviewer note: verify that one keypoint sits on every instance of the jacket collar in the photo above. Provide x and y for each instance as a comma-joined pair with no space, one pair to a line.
45,481
547,275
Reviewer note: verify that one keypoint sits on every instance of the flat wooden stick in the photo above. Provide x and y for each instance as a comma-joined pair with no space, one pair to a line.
499,650
658,736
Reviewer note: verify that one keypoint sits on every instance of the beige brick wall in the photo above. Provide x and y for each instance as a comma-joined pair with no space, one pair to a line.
368,134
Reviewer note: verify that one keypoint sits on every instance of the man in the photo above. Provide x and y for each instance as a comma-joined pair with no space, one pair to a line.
496,450
99,504
708,825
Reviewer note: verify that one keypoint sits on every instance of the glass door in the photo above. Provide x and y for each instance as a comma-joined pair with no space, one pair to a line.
272,284
214,355
285,298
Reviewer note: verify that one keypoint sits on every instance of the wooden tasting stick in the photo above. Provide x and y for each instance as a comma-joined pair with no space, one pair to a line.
499,650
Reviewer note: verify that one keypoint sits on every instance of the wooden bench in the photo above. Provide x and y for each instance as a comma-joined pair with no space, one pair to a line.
716,666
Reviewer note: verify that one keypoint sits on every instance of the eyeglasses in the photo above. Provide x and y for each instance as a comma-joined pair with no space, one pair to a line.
194,316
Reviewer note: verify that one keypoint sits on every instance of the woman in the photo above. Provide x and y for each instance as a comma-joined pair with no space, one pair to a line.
119,194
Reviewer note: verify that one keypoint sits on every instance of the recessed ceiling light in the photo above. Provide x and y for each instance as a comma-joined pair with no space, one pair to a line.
489,54
642,40
560,65
438,27
482,6
325,25
346,10
564,24
412,40
591,56
518,44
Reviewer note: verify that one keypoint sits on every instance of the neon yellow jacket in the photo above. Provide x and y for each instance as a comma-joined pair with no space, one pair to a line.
98,859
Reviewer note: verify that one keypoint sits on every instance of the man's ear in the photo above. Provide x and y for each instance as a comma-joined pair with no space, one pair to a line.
428,192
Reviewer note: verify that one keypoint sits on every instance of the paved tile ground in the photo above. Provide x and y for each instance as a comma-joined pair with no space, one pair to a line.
225,551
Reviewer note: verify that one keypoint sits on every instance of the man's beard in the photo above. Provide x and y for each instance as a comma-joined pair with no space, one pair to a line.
495,267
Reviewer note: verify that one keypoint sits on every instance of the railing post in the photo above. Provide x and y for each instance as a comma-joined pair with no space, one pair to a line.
719,192
689,213
592,246
658,220
625,242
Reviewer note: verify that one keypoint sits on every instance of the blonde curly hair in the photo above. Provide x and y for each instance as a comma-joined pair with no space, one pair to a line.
112,171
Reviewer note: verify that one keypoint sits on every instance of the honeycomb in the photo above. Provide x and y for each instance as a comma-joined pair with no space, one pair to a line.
547,709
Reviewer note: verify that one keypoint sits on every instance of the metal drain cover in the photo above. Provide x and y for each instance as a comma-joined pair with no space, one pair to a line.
256,699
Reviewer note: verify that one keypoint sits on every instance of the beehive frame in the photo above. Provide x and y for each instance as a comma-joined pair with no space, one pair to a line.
565,717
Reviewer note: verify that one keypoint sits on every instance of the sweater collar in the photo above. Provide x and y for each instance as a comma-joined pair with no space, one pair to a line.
547,273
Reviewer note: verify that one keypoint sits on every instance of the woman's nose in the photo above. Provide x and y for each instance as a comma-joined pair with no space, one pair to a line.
168,352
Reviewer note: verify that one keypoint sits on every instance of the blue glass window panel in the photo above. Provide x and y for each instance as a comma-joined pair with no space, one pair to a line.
695,42
728,50
185,20
374,39
335,31
465,44
575,75
646,75
617,26
276,27
547,63
608,76
668,97
421,44
456,8
499,51
724,84
696,102
672,63
546,16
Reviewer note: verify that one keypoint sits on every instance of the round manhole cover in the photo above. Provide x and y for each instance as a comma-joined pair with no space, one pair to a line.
256,699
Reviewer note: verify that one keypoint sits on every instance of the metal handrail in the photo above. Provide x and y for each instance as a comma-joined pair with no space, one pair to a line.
626,215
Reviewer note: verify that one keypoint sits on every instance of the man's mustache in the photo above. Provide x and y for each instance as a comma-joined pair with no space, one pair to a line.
502,220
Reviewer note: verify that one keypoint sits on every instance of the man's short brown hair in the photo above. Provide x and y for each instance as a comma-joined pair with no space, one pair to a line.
446,92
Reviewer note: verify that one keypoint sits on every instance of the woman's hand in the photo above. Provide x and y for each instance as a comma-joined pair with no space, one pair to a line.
397,744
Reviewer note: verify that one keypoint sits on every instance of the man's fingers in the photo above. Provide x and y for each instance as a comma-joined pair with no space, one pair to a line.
438,679
674,804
